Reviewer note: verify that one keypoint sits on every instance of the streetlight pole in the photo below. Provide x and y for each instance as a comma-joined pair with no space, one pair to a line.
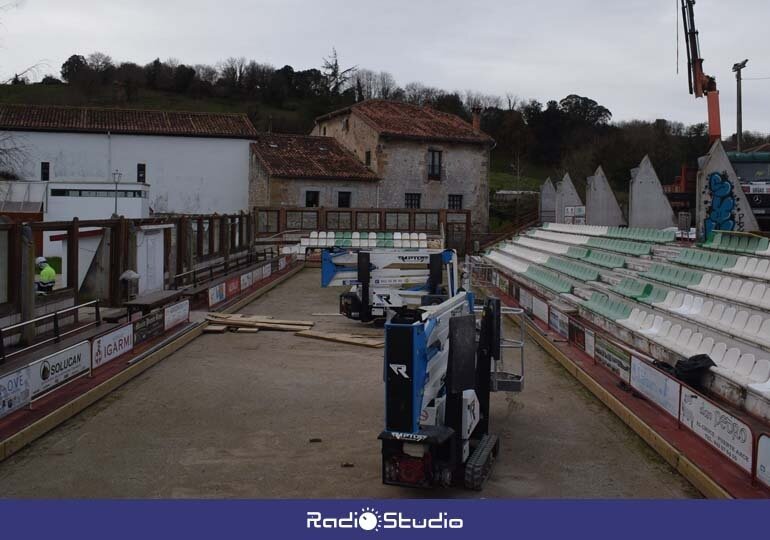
737,68
116,178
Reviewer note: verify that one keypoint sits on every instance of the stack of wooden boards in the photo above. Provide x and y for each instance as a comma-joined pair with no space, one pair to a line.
223,322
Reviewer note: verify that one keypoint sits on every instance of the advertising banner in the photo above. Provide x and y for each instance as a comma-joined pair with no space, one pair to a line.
14,391
59,367
590,343
246,281
233,287
266,271
503,284
525,300
281,263
148,327
763,460
614,358
540,309
176,314
559,322
256,276
655,386
217,294
718,428
110,346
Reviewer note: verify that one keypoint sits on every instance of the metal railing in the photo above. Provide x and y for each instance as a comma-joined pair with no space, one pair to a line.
57,333
198,276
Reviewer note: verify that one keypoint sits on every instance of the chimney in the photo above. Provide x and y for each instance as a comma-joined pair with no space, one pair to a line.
476,114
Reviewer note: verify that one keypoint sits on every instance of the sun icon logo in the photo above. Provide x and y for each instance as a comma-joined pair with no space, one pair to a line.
369,520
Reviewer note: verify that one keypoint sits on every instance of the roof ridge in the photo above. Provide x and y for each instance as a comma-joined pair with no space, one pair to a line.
122,109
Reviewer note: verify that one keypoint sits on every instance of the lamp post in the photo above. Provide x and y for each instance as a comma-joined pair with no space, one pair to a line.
737,68
116,176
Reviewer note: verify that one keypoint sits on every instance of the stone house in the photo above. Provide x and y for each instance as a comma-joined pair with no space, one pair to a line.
302,170
378,154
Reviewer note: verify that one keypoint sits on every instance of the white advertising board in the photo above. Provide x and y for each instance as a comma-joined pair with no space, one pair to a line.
590,343
266,270
718,428
59,367
110,346
540,309
14,391
655,386
256,276
763,460
559,322
246,281
176,314
281,263
217,294
525,300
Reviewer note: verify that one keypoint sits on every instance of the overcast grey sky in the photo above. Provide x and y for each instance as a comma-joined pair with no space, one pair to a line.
621,53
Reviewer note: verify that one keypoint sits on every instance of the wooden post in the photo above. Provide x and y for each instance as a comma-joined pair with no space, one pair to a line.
73,252
181,245
224,248
27,289
199,241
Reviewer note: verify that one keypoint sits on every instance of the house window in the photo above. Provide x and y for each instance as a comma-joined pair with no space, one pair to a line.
455,202
324,131
368,158
412,200
45,171
141,172
312,199
343,199
434,164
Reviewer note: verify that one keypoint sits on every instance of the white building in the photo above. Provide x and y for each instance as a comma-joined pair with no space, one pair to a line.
163,162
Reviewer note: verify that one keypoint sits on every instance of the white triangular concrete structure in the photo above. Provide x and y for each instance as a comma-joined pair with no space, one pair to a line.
721,204
602,207
648,205
547,202
566,196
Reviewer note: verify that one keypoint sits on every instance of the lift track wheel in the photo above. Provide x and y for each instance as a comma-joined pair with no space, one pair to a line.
479,465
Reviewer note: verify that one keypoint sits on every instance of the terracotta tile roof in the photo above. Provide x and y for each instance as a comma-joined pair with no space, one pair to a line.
396,119
303,156
125,121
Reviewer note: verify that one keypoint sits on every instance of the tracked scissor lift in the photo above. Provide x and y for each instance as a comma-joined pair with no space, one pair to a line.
441,365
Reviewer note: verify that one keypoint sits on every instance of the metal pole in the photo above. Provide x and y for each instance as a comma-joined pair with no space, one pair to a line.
738,68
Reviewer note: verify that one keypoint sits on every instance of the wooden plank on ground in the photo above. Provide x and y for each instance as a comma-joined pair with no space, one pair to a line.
350,339
257,319
214,329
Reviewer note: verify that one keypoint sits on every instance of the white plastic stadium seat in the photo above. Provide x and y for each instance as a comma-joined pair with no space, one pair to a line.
718,352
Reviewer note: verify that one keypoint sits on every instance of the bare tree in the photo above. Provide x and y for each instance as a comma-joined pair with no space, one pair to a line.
206,73
232,71
12,155
336,77
478,100
419,94
513,100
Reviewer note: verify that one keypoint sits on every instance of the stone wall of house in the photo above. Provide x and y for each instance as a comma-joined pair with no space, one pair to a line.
465,171
355,135
258,183
291,192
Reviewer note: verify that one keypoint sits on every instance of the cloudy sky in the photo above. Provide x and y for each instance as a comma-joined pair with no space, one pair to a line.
621,53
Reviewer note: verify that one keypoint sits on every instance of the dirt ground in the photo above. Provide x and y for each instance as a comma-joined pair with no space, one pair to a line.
231,416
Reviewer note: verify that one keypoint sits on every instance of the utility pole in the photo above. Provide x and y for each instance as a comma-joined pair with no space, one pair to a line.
737,68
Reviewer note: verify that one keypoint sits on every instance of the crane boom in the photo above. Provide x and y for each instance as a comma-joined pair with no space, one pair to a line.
700,83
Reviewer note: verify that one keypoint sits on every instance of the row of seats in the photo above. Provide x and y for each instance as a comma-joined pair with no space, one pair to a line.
738,243
524,253
639,234
733,264
635,249
548,280
739,290
572,269
605,260
742,369
718,315
626,233
590,230
549,247
614,310
365,240
574,239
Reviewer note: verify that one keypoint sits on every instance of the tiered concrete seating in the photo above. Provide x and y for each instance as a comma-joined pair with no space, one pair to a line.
642,235
363,240
548,280
514,266
550,247
672,275
738,243
574,239
524,253
739,290
632,288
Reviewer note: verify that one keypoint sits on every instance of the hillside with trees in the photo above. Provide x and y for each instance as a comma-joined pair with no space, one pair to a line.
534,139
